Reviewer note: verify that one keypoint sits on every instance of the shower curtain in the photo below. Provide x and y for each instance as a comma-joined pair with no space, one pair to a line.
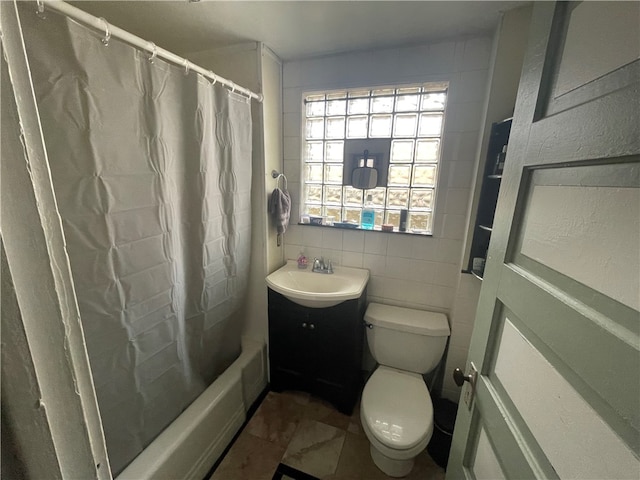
151,168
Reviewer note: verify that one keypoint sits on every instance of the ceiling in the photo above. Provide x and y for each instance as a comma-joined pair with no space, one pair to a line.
298,29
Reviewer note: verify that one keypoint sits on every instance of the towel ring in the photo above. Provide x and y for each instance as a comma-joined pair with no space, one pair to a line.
281,175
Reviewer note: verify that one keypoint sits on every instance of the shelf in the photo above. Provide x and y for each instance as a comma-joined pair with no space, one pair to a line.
489,193
476,274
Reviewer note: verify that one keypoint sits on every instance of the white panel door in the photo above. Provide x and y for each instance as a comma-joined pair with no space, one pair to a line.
557,333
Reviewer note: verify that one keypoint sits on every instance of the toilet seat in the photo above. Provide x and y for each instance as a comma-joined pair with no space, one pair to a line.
396,410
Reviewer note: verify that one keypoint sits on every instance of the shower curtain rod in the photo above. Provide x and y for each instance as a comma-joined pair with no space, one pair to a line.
112,31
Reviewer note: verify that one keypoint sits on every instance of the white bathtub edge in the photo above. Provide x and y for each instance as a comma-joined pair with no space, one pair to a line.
188,447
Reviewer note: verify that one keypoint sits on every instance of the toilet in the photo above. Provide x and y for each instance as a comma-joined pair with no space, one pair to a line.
396,409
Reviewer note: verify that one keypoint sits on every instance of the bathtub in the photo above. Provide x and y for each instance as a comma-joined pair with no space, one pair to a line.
189,447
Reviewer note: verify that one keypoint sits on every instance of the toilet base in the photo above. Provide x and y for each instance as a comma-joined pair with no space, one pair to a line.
390,466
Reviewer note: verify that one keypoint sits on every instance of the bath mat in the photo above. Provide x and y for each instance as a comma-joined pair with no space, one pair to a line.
285,472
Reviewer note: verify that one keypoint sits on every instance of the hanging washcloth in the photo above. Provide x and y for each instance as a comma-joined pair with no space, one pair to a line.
280,209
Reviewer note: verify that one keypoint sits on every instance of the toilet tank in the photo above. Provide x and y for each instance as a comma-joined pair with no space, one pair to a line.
406,339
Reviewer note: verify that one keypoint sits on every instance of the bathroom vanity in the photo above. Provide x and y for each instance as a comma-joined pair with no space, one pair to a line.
317,350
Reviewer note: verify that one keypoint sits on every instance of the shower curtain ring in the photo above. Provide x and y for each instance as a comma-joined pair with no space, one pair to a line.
186,67
107,32
154,52
215,78
40,11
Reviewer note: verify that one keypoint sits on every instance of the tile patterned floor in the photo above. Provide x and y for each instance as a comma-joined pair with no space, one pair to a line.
310,435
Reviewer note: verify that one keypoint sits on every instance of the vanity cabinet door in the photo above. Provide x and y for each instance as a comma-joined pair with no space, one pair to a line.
334,340
336,370
289,346
317,350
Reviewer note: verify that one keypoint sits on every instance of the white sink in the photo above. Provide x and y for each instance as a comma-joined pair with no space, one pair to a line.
318,290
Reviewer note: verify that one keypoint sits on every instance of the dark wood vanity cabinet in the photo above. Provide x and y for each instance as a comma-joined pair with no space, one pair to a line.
317,350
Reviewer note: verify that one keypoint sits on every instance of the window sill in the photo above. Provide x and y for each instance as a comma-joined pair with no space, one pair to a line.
358,229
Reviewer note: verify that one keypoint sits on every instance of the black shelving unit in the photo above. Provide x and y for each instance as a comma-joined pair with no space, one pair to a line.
491,180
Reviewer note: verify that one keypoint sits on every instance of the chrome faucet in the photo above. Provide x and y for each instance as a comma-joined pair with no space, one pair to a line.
319,265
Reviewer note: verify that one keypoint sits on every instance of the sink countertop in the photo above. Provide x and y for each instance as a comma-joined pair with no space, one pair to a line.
318,290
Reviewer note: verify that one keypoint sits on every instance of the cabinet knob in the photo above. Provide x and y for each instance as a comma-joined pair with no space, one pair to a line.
312,326
304,324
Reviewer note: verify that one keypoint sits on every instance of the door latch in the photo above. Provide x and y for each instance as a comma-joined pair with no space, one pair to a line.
469,391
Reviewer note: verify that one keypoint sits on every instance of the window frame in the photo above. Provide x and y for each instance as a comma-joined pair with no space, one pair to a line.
336,107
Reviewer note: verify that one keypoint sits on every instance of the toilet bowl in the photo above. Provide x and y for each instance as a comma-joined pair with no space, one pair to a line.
396,409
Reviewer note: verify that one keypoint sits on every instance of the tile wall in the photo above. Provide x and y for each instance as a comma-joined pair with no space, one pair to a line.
413,271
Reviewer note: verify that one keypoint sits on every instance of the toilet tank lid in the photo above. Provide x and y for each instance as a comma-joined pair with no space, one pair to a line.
408,320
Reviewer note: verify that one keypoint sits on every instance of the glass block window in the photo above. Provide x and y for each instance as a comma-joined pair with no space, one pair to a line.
412,117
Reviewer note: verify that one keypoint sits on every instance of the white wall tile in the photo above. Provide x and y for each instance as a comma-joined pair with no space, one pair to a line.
465,310
375,287
463,117
457,201
335,256
461,334
353,241
469,288
454,226
441,57
293,234
473,85
352,259
399,245
440,296
476,54
461,146
421,271
292,149
291,74
438,223
331,238
460,175
375,263
373,299
291,126
446,274
424,248
396,267
375,243
292,100
292,172
312,236
404,290
291,251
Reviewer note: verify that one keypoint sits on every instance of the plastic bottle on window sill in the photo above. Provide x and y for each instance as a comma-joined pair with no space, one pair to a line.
403,220
368,218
